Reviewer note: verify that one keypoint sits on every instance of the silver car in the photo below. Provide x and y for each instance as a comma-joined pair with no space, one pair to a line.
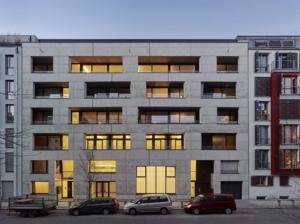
150,203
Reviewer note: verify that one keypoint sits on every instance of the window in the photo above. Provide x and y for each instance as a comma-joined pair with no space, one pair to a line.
155,180
51,142
193,177
229,167
290,85
286,61
163,64
227,64
227,115
9,137
289,134
262,135
164,90
9,89
262,111
261,159
164,141
57,90
42,64
96,64
99,90
103,166
42,116
261,62
9,64
9,162
39,166
40,187
289,159
218,90
262,86
284,181
103,189
108,142
10,113
261,181
212,141
96,117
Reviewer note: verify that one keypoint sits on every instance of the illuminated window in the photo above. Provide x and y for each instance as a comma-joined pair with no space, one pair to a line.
102,166
65,140
100,189
115,68
75,117
87,68
144,68
120,142
160,68
75,68
96,117
176,142
155,179
164,141
99,68
66,92
193,177
105,142
40,187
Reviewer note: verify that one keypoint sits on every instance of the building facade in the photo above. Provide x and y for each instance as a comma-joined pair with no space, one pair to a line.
274,116
123,118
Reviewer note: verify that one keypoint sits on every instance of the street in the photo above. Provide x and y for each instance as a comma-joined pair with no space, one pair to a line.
244,216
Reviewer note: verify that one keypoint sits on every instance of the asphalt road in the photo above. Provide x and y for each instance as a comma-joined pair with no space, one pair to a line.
243,216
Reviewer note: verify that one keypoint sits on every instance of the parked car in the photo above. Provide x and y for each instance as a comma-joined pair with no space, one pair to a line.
95,206
211,203
150,204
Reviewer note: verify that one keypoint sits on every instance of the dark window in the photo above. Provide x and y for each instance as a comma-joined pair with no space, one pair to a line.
39,166
108,90
286,60
9,137
9,162
227,115
212,141
262,135
284,180
261,180
262,86
218,90
227,64
261,159
261,62
289,109
42,64
10,113
42,116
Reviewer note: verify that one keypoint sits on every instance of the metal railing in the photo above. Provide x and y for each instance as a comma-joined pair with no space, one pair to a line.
290,91
285,65
262,141
108,96
262,165
42,122
216,96
262,117
290,141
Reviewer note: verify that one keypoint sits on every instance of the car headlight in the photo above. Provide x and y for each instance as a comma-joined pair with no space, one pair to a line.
188,206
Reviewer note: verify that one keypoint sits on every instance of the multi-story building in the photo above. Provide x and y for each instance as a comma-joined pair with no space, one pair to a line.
129,117
274,116
10,103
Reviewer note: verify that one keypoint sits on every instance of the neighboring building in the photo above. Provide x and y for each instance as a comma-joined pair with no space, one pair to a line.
129,117
274,116
10,124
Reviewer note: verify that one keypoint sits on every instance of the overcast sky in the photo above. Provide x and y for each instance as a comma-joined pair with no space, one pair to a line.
149,18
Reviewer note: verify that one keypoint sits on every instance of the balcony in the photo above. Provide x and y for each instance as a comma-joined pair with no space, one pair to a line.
171,90
285,65
51,142
96,116
42,116
218,90
172,64
168,115
290,141
216,141
107,90
51,90
96,64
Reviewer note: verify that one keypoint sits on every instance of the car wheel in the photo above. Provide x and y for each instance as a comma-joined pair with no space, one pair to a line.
75,212
196,211
132,211
106,211
164,211
228,211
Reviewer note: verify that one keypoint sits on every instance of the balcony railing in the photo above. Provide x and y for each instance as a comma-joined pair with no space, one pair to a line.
167,122
111,121
290,91
48,148
218,147
285,65
262,117
108,96
263,141
290,141
39,122
225,120
290,166
262,165
216,96
52,96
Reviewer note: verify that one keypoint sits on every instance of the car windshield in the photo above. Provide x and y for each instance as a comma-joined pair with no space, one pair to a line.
197,199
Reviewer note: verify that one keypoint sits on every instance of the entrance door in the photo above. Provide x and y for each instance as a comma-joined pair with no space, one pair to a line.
67,186
203,184
232,187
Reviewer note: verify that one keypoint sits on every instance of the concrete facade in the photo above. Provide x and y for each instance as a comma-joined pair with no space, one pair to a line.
127,161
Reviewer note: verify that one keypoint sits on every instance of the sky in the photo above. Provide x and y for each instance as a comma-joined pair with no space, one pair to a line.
149,19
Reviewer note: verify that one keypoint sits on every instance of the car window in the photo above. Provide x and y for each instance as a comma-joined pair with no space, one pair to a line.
144,200
153,199
163,199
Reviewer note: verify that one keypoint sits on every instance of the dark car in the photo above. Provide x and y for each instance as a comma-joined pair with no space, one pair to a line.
95,206
211,203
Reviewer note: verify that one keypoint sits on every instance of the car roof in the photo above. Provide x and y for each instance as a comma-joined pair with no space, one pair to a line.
215,195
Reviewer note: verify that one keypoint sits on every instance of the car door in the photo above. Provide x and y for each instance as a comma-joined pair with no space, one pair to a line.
142,205
86,208
153,204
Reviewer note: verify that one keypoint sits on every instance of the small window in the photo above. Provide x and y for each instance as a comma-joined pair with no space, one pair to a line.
42,64
40,187
9,89
9,64
284,181
9,162
9,137
10,113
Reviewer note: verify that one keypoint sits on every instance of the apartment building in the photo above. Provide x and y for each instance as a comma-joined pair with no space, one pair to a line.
10,102
122,118
274,116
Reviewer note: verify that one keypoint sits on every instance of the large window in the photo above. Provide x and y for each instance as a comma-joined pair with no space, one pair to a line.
55,90
227,115
216,141
96,117
103,166
42,116
262,86
290,85
289,159
99,90
289,134
51,142
9,89
100,189
107,142
164,90
39,166
164,141
155,180
42,64
40,187
218,90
